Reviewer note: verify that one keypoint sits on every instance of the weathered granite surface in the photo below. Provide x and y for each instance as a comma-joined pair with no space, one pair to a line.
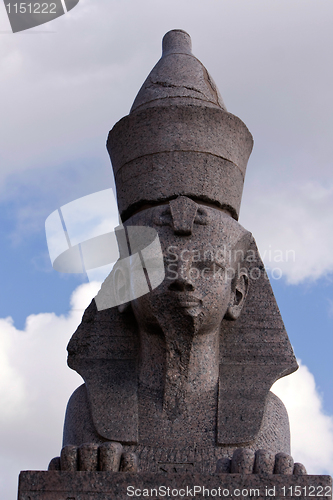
178,138
109,486
139,392
185,369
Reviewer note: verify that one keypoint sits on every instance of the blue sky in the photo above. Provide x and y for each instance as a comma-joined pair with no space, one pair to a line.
63,87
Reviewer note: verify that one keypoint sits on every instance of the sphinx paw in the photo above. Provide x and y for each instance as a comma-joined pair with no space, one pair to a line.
108,456
284,464
246,461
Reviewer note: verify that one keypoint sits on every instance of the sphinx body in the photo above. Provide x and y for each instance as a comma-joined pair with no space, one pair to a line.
153,367
181,375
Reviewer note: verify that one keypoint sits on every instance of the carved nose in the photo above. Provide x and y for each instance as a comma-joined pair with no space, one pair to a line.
181,285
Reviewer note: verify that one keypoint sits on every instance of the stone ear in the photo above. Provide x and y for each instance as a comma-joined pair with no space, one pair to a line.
239,289
121,284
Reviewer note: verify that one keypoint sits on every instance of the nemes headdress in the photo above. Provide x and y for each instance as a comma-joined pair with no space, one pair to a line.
180,142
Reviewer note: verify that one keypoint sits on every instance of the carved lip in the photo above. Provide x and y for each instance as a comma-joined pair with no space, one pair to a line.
187,300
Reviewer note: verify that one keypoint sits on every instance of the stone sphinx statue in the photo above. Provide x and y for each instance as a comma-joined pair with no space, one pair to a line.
178,379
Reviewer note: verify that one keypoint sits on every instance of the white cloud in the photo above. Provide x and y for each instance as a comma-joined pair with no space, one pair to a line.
12,387
293,227
311,429
35,385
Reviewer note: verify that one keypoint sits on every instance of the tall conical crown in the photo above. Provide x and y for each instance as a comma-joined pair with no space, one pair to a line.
178,138
181,78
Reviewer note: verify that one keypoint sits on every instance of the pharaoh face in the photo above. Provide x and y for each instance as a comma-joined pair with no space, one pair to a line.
202,283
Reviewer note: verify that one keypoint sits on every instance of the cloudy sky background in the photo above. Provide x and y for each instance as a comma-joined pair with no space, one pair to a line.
63,86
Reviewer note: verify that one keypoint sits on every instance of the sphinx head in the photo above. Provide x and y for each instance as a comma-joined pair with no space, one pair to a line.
185,146
205,281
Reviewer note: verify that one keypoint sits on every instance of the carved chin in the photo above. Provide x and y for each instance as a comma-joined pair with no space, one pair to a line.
185,320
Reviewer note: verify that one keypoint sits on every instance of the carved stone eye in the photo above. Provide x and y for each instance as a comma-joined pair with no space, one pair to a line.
202,216
162,216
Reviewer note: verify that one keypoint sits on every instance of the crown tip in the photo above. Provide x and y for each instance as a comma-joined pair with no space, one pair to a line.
176,42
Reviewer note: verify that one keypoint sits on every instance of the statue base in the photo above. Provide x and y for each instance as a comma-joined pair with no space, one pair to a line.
56,485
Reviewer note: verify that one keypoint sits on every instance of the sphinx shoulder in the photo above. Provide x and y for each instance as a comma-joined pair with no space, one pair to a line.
79,427
274,432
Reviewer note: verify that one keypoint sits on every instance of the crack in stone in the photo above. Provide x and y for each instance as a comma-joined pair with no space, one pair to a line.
172,85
